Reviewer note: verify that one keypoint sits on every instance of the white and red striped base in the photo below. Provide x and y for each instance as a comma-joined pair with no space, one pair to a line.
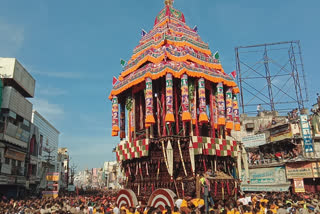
126,197
162,197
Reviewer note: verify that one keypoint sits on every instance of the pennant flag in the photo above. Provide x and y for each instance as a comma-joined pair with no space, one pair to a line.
123,62
143,33
114,80
195,28
234,74
216,55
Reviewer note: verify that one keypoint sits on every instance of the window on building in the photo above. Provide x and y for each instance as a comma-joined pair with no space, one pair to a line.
7,161
19,163
13,162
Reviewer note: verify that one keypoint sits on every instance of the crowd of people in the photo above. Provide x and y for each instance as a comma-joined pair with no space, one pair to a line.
250,203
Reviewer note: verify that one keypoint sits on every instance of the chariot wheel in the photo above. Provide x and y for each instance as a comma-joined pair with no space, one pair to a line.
162,197
126,197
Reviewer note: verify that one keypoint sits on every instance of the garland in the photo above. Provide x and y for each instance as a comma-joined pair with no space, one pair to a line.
178,54
176,69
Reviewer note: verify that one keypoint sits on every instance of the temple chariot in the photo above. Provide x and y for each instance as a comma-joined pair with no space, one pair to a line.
174,109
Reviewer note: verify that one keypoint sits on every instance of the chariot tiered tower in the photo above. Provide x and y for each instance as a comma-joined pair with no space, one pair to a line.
174,108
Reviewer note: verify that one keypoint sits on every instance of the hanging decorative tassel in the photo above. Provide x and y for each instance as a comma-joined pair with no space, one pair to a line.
229,113
186,116
181,157
147,169
221,105
191,153
169,99
149,103
193,102
204,165
215,164
138,189
228,189
158,169
137,169
203,118
212,166
140,170
182,187
235,190
215,188
152,187
169,155
115,115
129,170
122,122
165,157
222,190
236,117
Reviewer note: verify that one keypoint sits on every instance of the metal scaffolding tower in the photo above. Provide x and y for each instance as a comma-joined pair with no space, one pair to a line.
271,75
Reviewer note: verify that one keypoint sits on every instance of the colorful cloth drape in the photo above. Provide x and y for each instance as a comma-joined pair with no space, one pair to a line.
221,105
122,121
203,118
215,110
149,103
115,116
229,113
169,99
131,120
236,117
186,116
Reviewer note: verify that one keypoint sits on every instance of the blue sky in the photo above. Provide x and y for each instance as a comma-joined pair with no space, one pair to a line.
73,48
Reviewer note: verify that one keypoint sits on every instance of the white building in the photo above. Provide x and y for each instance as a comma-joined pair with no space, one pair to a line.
16,130
48,146
63,167
113,175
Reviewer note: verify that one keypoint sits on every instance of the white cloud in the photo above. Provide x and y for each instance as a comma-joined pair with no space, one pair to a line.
11,38
49,110
63,75
50,91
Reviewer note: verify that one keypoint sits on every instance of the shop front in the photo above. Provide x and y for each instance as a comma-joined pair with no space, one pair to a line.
304,176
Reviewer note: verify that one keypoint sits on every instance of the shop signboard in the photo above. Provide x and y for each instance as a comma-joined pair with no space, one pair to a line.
298,185
316,169
306,133
280,133
266,176
71,188
254,140
50,194
15,155
299,170
54,176
265,188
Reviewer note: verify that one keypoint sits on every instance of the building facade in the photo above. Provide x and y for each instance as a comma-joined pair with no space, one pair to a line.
16,130
48,147
63,167
279,153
